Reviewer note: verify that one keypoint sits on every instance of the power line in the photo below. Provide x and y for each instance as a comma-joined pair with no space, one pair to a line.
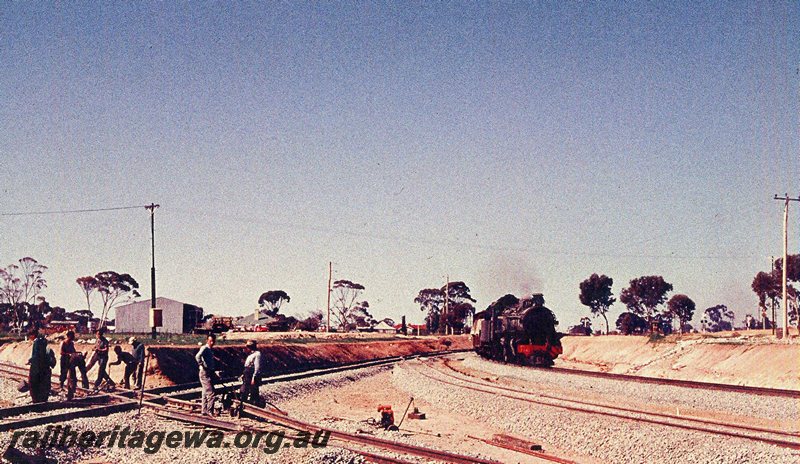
416,240
289,225
72,211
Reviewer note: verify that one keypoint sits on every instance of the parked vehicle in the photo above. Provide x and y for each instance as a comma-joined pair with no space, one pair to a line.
214,324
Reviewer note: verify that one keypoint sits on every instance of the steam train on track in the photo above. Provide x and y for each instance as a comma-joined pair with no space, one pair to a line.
517,331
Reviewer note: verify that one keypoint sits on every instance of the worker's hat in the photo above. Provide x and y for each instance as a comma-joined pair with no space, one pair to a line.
131,340
251,344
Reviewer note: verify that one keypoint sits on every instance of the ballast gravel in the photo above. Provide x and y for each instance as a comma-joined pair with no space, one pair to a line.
608,439
278,392
768,407
10,394
148,422
308,388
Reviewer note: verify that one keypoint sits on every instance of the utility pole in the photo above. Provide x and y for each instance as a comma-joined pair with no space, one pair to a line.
155,319
784,300
446,299
330,275
772,300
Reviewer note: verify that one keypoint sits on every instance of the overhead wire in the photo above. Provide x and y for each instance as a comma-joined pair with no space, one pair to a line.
71,211
445,241
439,241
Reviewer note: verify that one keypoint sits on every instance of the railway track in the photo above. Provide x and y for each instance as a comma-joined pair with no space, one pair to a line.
761,434
169,407
365,440
188,390
761,391
21,372
84,405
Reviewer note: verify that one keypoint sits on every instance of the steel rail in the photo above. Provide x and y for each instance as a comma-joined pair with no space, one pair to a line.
94,411
234,427
420,451
21,372
185,388
487,388
751,428
379,459
50,406
282,419
538,454
153,401
761,391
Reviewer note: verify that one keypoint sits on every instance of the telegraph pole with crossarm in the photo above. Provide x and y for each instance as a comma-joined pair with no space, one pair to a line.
786,199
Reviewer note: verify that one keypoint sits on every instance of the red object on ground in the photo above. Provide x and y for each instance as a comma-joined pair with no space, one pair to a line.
387,415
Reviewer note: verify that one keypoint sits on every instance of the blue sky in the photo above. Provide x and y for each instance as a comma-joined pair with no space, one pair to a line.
516,147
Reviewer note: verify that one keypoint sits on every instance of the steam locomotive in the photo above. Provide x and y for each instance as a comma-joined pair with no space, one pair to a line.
517,331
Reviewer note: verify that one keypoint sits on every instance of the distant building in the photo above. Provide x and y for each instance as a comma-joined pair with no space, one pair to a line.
383,327
413,329
60,326
264,323
177,317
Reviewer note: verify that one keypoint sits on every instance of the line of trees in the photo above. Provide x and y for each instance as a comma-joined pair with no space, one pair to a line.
22,304
459,307
649,307
646,300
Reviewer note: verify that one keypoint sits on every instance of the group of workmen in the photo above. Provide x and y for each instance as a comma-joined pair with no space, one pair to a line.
251,376
73,362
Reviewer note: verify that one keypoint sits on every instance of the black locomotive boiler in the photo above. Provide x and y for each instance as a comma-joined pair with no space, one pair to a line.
517,331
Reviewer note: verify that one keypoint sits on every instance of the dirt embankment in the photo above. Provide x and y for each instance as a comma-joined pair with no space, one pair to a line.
740,360
176,364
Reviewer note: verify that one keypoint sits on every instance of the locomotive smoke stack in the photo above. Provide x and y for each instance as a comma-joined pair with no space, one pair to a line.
510,273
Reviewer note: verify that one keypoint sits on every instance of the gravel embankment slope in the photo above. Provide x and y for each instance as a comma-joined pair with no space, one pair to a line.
608,439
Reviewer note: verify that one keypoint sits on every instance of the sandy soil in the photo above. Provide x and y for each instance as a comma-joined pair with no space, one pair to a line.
352,405
738,358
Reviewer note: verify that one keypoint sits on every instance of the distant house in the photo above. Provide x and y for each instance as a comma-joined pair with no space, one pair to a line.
177,317
413,329
383,327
